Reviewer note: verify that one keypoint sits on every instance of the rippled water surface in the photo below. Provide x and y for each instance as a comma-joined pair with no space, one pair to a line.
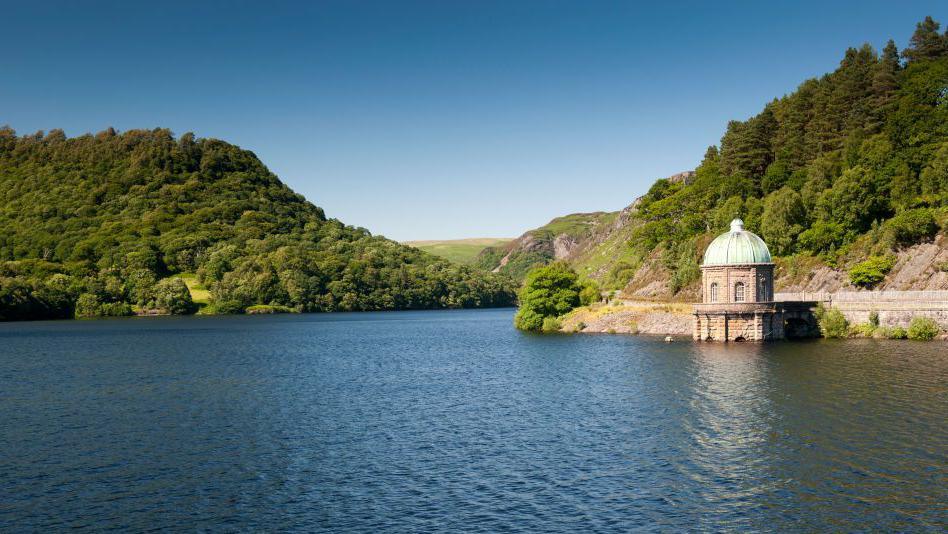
454,421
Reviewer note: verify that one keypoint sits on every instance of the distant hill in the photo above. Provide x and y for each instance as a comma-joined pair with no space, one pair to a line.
463,251
109,223
849,168
556,240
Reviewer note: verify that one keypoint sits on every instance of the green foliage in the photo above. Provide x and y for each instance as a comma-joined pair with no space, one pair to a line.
171,295
550,325
833,324
922,329
116,214
874,319
783,219
864,330
590,293
824,236
912,226
547,292
896,332
870,272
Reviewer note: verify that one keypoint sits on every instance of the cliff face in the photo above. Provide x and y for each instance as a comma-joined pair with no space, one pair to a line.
560,239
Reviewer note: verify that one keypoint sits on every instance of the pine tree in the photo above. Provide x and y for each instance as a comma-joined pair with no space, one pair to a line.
884,84
926,42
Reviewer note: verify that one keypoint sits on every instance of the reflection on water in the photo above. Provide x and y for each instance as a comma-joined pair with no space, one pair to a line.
454,421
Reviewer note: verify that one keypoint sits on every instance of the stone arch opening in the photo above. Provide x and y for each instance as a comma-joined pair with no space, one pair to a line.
739,292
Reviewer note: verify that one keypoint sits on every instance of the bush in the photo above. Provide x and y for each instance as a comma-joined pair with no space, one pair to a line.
870,272
912,226
874,318
548,292
896,332
551,324
171,295
922,329
833,324
863,330
580,326
590,293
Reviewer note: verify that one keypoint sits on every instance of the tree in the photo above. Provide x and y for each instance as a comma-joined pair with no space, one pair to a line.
171,295
547,292
856,199
926,42
884,81
783,220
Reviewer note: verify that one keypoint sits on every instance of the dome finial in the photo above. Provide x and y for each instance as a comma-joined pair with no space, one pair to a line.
737,225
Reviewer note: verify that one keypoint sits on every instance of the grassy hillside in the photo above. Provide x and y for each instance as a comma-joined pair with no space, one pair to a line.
542,245
463,251
101,224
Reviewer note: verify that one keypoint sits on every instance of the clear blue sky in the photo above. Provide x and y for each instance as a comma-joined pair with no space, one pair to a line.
434,119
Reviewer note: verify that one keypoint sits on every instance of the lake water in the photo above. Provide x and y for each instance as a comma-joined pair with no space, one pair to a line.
453,421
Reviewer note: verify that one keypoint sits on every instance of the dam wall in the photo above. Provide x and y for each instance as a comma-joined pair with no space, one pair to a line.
895,308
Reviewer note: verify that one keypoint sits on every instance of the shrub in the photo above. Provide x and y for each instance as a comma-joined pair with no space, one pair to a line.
874,318
922,329
896,332
912,226
870,272
833,324
863,330
171,295
551,324
580,326
590,293
633,327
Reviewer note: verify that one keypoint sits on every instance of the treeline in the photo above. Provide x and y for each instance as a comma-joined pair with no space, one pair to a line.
95,226
851,165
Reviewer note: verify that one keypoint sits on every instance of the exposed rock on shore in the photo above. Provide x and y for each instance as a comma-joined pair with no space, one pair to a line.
629,317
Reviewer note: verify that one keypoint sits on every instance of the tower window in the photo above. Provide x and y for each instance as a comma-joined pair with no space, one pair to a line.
714,292
739,292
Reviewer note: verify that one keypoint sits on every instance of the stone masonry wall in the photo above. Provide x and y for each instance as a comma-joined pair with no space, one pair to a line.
895,308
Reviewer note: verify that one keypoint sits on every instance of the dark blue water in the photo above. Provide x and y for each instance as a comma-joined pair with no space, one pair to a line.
453,421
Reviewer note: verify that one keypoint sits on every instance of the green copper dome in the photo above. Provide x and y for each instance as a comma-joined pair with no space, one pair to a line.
737,247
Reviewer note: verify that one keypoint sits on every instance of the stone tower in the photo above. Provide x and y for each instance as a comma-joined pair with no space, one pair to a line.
737,290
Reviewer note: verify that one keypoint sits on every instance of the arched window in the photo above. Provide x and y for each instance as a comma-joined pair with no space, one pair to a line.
739,292
714,292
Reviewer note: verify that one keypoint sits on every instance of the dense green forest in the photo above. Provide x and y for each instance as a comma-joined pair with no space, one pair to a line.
853,162
100,225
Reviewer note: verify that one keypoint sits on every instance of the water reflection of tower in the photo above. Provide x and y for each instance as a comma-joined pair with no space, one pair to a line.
729,426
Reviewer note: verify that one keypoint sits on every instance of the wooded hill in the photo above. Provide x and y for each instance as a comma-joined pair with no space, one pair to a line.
851,167
98,224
